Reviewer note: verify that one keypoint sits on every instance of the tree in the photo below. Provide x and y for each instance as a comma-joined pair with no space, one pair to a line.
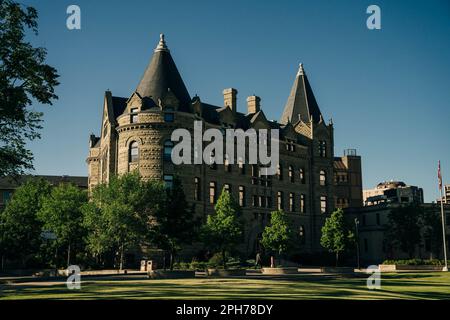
61,214
336,234
175,222
404,227
223,229
121,214
20,227
277,236
432,226
24,77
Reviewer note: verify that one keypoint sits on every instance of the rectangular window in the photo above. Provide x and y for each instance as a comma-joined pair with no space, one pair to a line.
291,174
291,202
302,203
269,202
168,180
241,166
262,201
301,234
197,189
227,187
212,192
323,204
255,200
134,116
302,176
280,200
242,196
322,149
169,117
226,164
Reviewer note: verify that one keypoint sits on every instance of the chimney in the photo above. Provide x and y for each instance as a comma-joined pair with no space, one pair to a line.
253,105
229,98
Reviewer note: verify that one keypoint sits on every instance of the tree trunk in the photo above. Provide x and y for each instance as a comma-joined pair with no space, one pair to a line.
68,255
272,262
223,260
337,258
171,260
3,262
164,260
121,257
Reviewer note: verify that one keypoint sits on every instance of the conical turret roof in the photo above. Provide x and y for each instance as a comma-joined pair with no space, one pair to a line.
161,76
301,104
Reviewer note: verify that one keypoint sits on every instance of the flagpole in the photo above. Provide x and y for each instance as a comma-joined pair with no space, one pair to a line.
443,221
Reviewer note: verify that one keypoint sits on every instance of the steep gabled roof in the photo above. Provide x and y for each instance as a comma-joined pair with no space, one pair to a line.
301,104
161,76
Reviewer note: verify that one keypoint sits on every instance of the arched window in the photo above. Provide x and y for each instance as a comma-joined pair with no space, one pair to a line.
133,153
168,146
323,178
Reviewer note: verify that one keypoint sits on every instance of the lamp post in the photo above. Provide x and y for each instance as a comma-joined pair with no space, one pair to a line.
357,241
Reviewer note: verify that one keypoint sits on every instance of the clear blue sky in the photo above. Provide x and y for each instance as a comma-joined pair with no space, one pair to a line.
388,90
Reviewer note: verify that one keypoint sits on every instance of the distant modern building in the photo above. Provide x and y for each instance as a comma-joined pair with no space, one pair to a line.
445,194
9,185
373,223
393,192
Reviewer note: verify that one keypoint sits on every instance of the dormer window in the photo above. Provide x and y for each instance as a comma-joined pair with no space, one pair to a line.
322,148
290,146
134,115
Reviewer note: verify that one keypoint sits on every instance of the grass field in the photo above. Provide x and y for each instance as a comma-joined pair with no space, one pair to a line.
393,286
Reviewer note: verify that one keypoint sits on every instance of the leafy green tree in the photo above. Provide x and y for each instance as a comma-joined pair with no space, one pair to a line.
176,225
61,214
24,77
432,226
223,230
277,237
336,234
404,227
20,227
121,214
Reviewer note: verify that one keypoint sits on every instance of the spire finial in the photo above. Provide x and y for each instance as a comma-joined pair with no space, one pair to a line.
301,71
162,44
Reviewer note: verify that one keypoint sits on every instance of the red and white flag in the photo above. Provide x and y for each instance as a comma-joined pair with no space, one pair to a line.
439,175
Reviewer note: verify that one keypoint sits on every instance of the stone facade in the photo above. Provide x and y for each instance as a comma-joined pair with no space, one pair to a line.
136,135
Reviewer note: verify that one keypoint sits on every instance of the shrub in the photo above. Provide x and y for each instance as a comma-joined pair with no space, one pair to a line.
416,262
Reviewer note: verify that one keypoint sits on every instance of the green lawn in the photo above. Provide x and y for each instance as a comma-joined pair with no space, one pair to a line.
393,286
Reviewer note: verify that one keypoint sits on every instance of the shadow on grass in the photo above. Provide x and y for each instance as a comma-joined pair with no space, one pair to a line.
256,287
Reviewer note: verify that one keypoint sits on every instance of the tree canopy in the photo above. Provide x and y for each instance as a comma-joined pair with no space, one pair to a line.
61,214
176,224
24,78
223,230
277,236
121,214
20,228
336,235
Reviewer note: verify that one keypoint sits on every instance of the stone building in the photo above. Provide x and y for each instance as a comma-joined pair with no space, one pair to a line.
310,181
8,185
